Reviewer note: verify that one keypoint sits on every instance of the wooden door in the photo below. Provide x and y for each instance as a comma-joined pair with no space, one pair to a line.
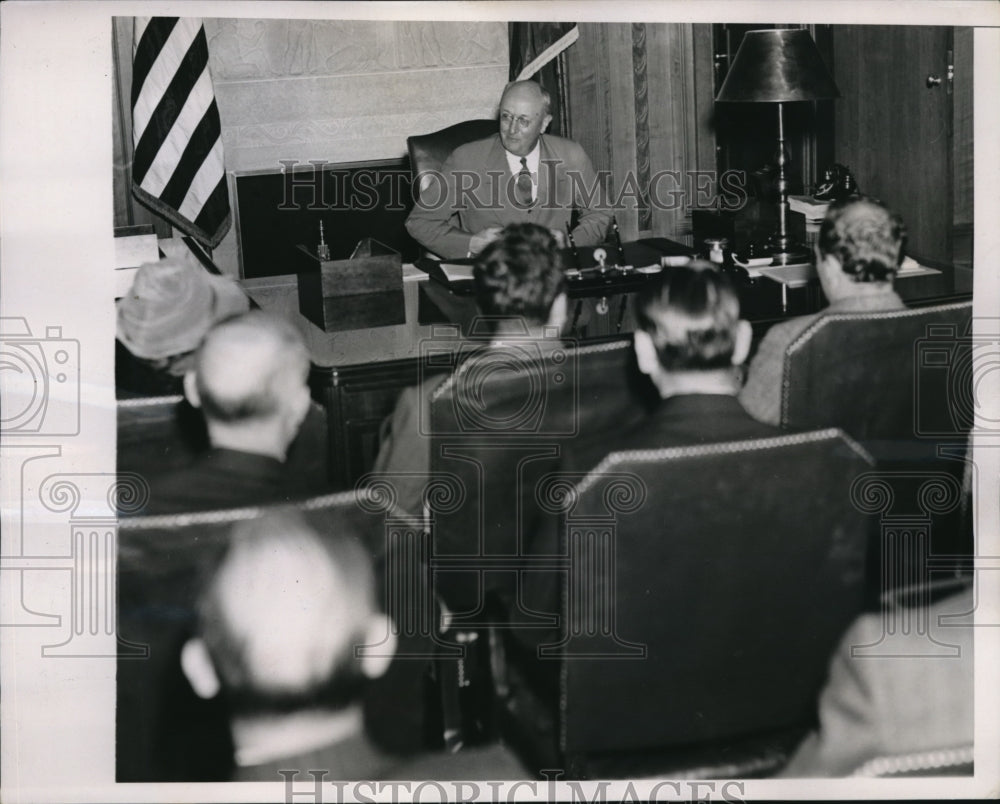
893,130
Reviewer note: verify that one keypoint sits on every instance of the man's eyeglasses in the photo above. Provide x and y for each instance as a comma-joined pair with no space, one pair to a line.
522,122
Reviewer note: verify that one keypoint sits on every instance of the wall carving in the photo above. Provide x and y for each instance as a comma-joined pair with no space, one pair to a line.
450,44
248,49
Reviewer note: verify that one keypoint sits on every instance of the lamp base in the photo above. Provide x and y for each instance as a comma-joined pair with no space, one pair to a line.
790,255
785,251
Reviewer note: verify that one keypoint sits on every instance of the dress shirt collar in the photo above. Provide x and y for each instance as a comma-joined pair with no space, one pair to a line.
867,302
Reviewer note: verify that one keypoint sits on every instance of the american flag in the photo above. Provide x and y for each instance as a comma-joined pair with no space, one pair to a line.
178,169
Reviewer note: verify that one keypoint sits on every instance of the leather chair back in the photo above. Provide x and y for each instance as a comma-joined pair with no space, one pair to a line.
708,587
900,382
160,434
498,424
428,152
945,761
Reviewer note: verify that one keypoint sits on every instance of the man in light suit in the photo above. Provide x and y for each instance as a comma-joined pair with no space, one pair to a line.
515,176
895,701
858,254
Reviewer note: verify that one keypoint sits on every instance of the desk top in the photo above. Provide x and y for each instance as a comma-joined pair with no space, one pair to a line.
430,311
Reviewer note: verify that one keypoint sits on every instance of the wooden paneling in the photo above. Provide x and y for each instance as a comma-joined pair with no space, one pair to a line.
894,132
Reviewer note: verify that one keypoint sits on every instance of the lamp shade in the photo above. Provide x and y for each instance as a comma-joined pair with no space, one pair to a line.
777,65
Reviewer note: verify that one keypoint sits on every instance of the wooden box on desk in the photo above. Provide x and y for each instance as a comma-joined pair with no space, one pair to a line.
363,291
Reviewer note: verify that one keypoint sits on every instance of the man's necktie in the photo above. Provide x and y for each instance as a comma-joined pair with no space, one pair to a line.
523,194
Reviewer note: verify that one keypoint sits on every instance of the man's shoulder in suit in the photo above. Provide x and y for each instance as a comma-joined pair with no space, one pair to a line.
476,150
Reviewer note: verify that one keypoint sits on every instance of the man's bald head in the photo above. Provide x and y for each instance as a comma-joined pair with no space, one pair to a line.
528,90
282,614
524,115
249,367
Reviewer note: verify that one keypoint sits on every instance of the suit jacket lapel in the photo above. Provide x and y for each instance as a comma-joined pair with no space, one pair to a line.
498,163
544,155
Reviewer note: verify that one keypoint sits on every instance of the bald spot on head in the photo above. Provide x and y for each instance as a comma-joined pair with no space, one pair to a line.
246,364
284,608
527,91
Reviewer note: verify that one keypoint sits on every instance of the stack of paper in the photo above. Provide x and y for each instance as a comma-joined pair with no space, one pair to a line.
134,245
813,210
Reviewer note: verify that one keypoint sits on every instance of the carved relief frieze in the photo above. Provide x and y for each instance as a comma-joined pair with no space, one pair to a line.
450,44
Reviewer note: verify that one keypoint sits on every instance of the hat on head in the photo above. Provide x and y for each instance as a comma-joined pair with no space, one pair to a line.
171,306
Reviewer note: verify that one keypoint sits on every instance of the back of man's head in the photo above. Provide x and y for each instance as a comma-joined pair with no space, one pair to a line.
519,274
691,315
249,368
865,238
282,615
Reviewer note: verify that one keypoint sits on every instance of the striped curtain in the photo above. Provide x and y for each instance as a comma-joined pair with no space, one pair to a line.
178,170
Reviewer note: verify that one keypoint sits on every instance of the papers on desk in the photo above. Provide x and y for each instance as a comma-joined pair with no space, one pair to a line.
813,210
792,276
134,245
910,267
456,273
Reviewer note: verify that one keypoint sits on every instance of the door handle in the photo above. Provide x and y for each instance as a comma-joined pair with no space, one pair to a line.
933,81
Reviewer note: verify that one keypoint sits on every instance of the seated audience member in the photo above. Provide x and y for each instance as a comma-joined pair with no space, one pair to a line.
691,342
163,318
519,284
895,701
859,250
280,627
250,381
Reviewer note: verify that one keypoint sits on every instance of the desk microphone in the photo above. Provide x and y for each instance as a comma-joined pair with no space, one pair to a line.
572,245
618,241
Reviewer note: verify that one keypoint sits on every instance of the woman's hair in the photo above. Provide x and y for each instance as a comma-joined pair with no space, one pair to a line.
865,237
519,274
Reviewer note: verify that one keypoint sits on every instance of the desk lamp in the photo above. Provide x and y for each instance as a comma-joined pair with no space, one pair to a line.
779,66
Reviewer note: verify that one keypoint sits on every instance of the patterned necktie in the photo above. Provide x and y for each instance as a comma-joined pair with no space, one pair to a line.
523,194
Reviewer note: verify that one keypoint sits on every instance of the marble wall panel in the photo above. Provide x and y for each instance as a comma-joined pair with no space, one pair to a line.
330,98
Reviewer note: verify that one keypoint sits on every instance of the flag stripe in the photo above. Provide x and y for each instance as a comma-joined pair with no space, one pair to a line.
155,83
179,138
178,168
208,175
215,207
150,37
169,107
202,139
549,53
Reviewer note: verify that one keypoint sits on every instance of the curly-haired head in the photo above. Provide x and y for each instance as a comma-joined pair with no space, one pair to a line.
519,274
865,237
691,313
